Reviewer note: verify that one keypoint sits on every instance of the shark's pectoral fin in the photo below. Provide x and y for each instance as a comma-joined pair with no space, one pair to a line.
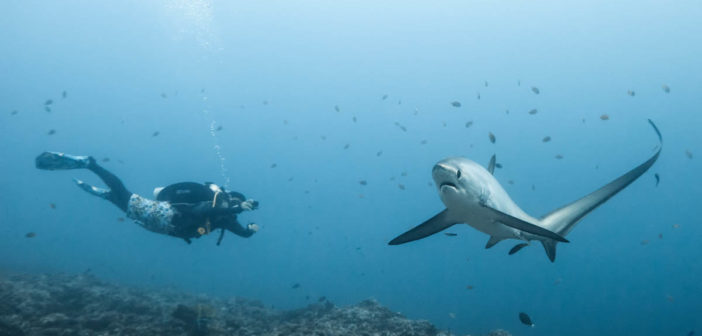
491,165
492,241
517,247
522,225
435,224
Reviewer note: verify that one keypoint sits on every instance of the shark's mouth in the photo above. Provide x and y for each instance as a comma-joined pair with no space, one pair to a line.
448,184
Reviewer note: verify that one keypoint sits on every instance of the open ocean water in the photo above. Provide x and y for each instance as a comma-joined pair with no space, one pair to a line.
332,115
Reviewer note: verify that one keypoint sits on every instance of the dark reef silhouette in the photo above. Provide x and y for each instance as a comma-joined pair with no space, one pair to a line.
61,304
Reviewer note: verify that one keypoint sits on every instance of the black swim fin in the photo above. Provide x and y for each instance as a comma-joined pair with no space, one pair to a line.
61,161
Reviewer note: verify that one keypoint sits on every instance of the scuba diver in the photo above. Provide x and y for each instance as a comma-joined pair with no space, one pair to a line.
186,210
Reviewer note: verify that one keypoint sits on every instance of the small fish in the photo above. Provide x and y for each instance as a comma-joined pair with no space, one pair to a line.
106,159
363,182
48,102
676,226
265,102
155,134
274,165
120,219
346,146
498,165
322,299
51,132
558,281
559,156
336,108
604,117
533,111
379,153
430,184
403,128
47,109
492,137
403,174
666,88
660,236
451,234
469,287
691,333
525,319
163,95
452,315
30,235
354,119
469,124
295,286
424,142
546,139
533,187
631,93
384,97
219,128
323,137
535,90
688,154
285,122
291,179
361,196
52,205
14,112
519,83
510,182
456,103
644,242
669,297
401,186
64,94
658,178
478,95
443,123
399,102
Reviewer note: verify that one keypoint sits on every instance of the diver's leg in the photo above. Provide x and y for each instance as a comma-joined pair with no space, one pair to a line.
118,193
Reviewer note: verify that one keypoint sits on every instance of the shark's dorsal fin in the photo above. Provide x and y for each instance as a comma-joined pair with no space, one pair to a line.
491,165
492,241
562,220
517,247
435,224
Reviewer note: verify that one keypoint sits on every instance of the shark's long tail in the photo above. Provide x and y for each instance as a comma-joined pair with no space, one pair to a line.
562,220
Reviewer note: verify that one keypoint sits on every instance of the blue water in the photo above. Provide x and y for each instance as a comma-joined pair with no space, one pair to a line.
271,73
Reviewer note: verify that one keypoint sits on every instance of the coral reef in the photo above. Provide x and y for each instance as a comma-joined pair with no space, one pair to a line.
60,304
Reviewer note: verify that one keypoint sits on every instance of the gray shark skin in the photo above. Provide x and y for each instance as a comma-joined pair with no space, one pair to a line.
473,196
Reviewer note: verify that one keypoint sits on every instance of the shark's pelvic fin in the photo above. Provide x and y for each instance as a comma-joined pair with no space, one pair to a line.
492,241
550,247
435,224
562,220
517,247
491,165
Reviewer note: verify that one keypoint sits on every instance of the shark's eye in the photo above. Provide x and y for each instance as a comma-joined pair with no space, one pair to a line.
458,174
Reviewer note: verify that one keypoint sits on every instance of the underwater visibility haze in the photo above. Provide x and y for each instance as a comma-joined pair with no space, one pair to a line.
332,115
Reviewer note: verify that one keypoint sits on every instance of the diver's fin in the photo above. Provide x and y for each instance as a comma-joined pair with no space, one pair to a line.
564,219
517,247
435,224
511,221
492,241
99,192
491,165
61,161
550,247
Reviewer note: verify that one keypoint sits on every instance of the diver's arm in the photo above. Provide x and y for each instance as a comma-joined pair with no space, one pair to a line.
234,226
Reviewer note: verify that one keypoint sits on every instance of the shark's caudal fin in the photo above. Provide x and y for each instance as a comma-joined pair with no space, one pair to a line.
563,220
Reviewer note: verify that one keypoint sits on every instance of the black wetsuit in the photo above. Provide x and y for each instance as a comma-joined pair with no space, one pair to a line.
191,217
